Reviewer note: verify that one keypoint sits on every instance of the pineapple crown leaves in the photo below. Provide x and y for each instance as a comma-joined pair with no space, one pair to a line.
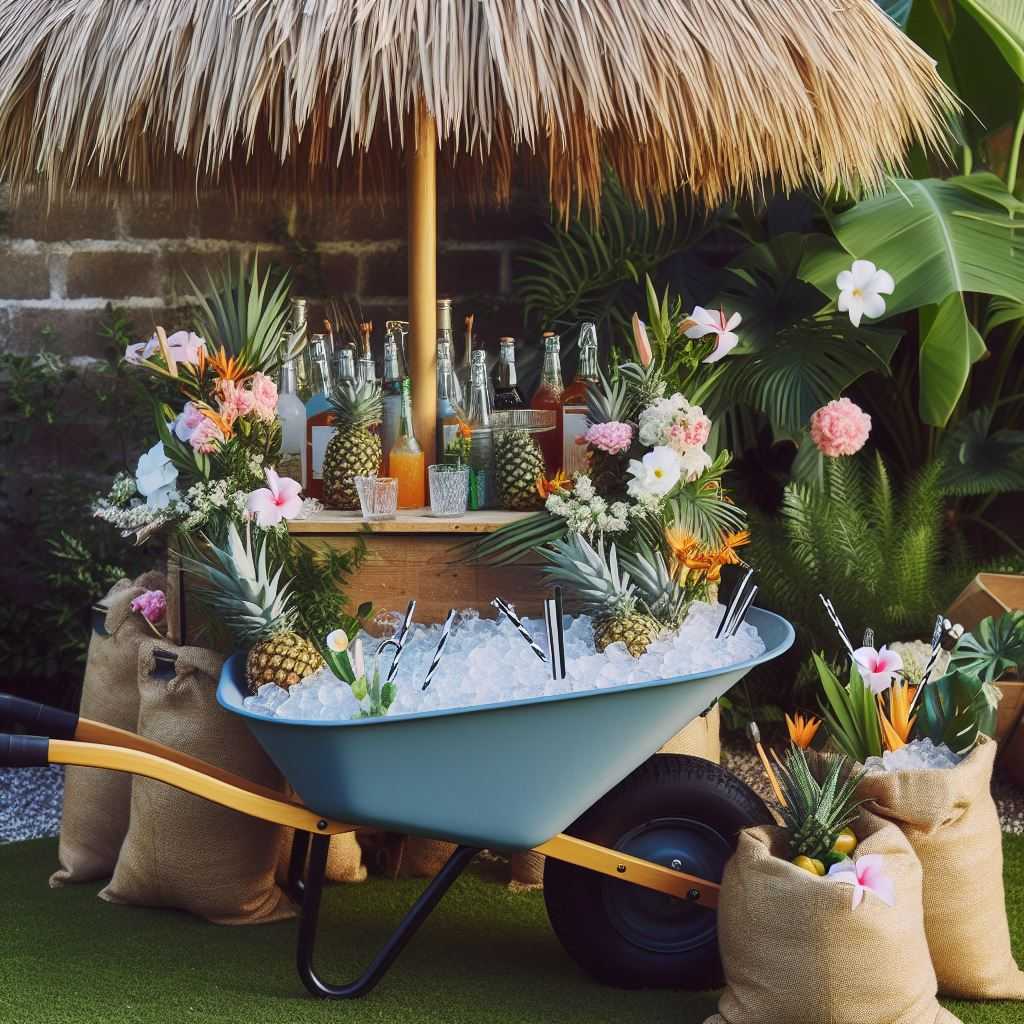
238,587
358,405
818,808
592,573
610,401
662,595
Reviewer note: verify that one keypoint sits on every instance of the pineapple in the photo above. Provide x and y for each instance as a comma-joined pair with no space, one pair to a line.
816,813
353,450
519,462
609,401
257,609
606,593
666,599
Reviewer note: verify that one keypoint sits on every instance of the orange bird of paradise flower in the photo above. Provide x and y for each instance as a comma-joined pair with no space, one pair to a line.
897,724
691,556
559,482
802,729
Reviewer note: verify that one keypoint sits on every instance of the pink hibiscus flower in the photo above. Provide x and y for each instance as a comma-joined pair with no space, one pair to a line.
714,321
280,499
877,668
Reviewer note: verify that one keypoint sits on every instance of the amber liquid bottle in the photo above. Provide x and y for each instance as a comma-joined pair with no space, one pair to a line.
549,396
406,460
574,403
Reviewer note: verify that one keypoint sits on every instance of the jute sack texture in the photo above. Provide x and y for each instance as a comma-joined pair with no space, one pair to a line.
182,851
97,802
796,951
952,823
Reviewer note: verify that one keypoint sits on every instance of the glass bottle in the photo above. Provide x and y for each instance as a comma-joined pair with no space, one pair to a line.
506,383
549,396
291,414
574,402
406,460
483,492
464,372
392,396
319,417
294,338
448,412
446,346
345,366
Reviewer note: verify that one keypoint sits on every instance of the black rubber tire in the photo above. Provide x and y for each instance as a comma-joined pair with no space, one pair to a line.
631,937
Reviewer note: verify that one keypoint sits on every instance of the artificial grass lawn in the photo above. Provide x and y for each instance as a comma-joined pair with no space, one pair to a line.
486,956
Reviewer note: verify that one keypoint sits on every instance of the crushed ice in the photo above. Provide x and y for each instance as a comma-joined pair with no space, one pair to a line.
486,661
917,754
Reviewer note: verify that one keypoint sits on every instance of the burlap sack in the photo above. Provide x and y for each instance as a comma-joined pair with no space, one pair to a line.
97,802
527,870
423,858
344,858
795,951
950,818
182,851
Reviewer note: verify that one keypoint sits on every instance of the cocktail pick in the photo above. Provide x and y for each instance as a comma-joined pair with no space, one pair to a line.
933,656
754,735
741,611
506,609
400,639
951,633
445,630
734,602
553,622
835,622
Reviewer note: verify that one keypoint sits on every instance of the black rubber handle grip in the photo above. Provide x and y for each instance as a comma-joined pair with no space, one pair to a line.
24,751
38,719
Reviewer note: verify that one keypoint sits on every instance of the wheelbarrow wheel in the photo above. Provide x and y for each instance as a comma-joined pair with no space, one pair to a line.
679,811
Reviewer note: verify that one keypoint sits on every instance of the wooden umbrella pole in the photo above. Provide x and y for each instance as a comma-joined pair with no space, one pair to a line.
423,278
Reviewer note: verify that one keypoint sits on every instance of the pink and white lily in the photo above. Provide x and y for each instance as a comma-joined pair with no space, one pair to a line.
877,668
642,342
280,499
865,874
714,321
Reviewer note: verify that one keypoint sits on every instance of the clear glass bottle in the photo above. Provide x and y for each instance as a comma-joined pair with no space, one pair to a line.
406,459
549,396
291,414
483,492
448,412
321,377
319,417
392,396
506,381
464,371
345,366
574,402
446,346
294,337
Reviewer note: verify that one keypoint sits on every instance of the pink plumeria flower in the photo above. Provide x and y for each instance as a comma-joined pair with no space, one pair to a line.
714,321
877,668
865,874
640,339
861,289
280,499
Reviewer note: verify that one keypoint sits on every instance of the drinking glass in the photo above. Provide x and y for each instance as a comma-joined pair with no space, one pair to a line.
449,489
378,497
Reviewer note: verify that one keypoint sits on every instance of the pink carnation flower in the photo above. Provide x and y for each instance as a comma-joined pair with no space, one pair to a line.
840,428
206,436
613,437
264,395
689,433
152,604
234,401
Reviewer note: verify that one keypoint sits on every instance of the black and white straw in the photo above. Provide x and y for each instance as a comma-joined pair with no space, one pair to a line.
933,656
506,609
835,622
735,600
556,641
400,639
445,630
741,611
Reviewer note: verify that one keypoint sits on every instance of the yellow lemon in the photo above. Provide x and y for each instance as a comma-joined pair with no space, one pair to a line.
845,843
809,864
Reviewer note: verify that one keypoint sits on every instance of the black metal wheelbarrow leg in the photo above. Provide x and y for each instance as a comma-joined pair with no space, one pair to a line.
420,911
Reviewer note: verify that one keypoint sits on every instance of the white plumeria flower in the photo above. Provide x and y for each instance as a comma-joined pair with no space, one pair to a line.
656,474
337,641
714,321
861,289
693,462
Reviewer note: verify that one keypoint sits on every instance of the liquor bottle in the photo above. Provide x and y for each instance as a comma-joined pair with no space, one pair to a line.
506,382
392,396
319,418
549,396
294,339
464,372
483,492
574,402
446,346
291,414
447,411
366,368
345,366
406,460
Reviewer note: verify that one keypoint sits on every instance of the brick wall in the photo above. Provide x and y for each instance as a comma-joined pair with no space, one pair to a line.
59,268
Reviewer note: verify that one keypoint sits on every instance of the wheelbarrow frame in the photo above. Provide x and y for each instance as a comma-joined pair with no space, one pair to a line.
68,739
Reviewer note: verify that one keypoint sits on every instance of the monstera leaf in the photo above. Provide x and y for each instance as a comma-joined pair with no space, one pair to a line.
978,460
792,357
994,647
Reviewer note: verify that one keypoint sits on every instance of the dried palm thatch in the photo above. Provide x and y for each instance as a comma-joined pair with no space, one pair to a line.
300,96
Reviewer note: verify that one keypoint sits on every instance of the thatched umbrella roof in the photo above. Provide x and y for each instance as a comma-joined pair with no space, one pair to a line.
299,95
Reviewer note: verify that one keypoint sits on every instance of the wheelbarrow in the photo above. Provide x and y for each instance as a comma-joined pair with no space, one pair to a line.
635,843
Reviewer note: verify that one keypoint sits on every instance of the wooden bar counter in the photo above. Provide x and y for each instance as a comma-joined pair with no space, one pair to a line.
417,555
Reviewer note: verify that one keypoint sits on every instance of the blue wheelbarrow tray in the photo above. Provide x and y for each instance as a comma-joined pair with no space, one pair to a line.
504,776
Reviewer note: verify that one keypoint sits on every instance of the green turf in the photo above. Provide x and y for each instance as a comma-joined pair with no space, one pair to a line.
486,957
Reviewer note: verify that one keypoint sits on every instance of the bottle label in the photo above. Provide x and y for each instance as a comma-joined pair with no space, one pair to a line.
319,437
574,425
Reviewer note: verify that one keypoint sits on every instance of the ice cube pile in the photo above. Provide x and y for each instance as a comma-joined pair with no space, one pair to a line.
486,661
917,754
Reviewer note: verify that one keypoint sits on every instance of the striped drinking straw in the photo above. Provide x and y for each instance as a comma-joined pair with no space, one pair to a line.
506,609
445,630
734,603
830,610
933,656
400,639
